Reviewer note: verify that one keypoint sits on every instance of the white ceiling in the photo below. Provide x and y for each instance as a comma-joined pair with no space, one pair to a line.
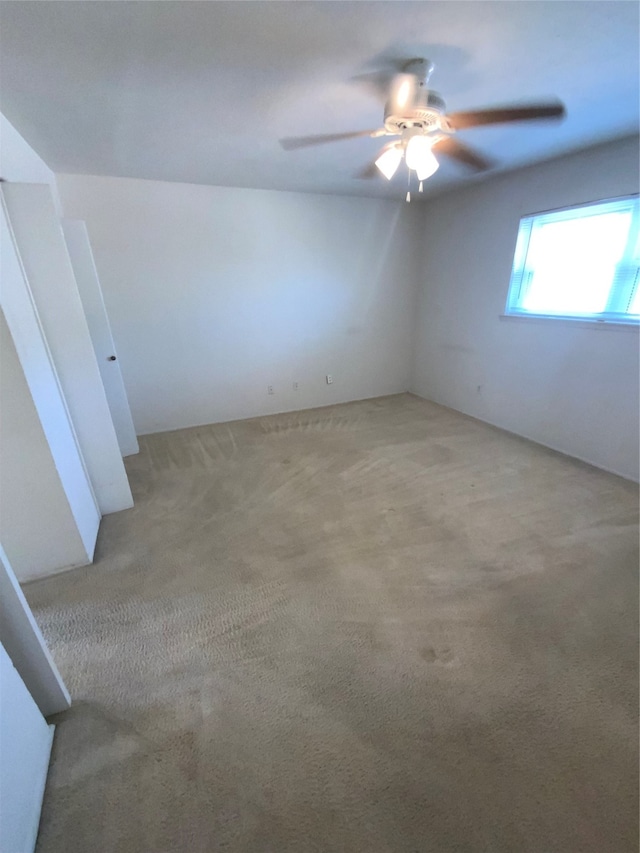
202,91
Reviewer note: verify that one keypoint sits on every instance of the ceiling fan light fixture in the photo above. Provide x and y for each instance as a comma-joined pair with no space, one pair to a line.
420,157
389,161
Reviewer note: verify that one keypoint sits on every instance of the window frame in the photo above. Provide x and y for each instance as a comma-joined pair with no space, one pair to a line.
623,287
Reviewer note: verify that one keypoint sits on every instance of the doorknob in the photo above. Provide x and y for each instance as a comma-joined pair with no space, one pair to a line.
111,358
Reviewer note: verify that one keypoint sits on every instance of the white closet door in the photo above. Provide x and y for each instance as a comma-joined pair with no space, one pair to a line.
40,244
77,238
25,747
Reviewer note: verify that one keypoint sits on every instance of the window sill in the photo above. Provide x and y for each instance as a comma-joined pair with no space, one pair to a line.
573,322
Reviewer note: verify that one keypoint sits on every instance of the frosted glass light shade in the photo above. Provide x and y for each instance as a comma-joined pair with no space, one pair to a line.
389,161
419,157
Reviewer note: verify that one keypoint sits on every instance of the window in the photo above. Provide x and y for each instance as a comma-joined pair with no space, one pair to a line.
579,263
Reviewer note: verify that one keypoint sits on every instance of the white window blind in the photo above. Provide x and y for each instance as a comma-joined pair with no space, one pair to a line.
579,263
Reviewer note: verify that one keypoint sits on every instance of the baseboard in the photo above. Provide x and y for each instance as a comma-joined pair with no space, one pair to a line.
274,414
530,438
51,573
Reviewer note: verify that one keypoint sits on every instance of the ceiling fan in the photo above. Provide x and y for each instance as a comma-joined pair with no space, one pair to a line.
417,117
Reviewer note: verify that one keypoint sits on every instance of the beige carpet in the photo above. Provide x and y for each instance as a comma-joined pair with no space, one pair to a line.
380,627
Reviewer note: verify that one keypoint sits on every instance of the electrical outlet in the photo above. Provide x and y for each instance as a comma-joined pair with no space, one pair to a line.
295,386
270,389
329,379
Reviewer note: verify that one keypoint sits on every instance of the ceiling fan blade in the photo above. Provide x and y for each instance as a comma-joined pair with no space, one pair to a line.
501,115
401,93
292,142
380,74
463,154
369,172
377,82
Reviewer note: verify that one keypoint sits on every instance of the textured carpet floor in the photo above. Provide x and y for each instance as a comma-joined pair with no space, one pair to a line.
380,627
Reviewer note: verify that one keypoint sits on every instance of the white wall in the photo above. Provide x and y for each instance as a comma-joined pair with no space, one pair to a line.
215,293
37,525
48,513
570,386
39,542
19,162
25,746
25,645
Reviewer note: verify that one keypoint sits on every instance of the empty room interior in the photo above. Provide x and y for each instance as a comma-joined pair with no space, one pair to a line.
319,426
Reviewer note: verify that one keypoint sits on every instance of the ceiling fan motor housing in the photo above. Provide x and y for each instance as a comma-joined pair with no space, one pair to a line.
425,112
